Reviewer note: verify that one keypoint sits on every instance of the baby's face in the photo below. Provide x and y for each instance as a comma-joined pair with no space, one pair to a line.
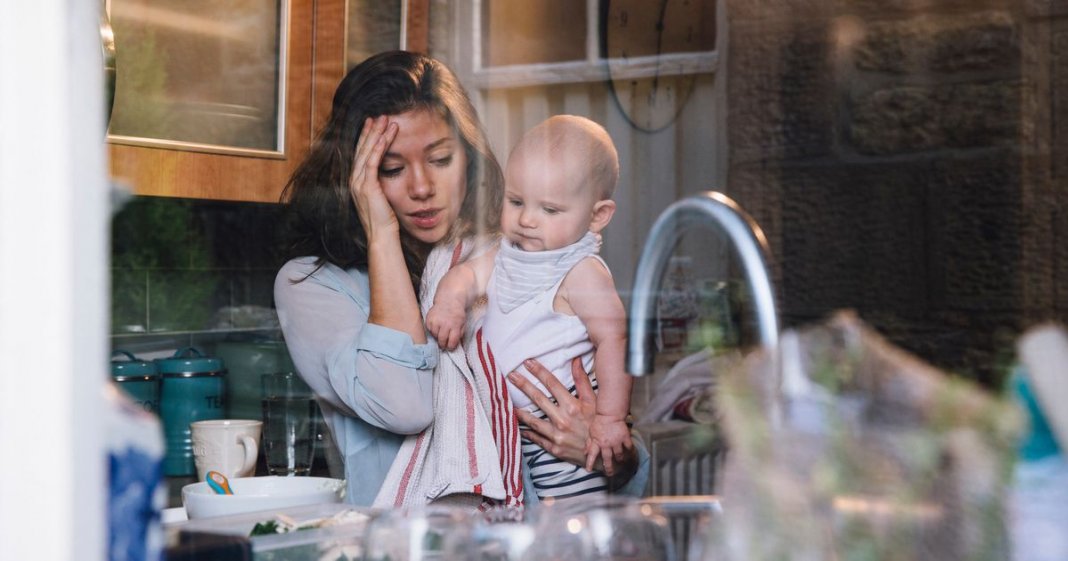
546,205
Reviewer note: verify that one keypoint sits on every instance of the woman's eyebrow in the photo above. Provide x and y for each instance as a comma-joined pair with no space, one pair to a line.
437,143
426,148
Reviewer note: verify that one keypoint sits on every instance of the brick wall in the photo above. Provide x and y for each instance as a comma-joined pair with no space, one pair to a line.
905,162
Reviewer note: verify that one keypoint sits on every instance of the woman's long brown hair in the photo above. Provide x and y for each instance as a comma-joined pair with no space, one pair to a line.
321,218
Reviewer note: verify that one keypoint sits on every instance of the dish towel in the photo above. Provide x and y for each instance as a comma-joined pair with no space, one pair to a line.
470,454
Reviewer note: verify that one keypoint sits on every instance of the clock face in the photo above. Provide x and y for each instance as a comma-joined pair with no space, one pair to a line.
652,104
637,33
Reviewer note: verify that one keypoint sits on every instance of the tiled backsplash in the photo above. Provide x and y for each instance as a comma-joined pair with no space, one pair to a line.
189,272
185,270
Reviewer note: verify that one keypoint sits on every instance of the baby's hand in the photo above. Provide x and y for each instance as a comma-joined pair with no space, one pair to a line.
609,437
446,324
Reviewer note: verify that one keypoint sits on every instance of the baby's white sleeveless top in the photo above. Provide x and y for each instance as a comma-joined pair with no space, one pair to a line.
532,329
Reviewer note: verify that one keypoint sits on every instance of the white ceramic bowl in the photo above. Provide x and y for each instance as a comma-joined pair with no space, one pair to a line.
252,494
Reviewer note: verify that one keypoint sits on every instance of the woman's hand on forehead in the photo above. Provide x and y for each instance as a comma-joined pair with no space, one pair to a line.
374,210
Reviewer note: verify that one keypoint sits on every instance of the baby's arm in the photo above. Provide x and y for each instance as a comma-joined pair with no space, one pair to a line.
457,290
591,294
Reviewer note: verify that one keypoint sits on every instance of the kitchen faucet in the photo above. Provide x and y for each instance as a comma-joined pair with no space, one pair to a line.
709,209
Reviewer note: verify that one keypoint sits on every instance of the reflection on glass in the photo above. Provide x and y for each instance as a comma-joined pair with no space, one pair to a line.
200,72
532,32
602,529
373,26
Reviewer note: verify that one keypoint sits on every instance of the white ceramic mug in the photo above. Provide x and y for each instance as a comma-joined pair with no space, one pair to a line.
228,446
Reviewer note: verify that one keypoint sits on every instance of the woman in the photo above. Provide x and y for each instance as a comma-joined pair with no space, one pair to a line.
401,168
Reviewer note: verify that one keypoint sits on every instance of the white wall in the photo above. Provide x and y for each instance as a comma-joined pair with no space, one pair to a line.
53,297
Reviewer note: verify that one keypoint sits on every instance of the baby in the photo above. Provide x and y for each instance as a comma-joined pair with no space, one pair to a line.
550,297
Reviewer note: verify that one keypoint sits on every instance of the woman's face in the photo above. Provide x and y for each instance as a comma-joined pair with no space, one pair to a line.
423,175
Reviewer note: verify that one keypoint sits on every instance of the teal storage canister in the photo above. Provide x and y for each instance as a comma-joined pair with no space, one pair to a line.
138,378
192,389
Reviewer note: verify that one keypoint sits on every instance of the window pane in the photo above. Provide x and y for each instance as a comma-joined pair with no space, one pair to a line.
635,28
528,32
197,71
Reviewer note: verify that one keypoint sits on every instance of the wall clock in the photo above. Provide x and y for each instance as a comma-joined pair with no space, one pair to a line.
637,36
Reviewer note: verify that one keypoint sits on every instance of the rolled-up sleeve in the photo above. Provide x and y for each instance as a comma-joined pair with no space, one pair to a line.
373,372
390,344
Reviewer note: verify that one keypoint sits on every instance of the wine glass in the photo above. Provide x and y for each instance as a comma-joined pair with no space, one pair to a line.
500,534
601,529
415,534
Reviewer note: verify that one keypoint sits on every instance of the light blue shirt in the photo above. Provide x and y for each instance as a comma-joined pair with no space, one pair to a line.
373,383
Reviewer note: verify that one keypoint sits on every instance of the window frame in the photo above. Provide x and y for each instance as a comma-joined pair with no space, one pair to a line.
593,68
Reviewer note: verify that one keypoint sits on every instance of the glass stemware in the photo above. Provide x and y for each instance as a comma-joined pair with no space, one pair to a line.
416,534
602,529
496,535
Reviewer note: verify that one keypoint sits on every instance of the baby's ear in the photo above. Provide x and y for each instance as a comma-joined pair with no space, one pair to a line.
602,215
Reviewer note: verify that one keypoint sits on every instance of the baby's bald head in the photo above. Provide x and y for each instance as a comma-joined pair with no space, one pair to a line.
576,146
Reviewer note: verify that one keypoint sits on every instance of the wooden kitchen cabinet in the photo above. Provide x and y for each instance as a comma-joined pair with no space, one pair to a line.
314,65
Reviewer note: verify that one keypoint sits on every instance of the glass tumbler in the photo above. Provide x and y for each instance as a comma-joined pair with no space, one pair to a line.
289,424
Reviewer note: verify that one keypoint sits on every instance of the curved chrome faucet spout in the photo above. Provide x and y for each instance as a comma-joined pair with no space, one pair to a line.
709,209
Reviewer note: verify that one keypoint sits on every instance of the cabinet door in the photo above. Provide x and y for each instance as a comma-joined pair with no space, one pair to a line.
200,120
349,31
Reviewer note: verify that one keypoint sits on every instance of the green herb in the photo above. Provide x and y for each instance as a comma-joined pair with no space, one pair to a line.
264,529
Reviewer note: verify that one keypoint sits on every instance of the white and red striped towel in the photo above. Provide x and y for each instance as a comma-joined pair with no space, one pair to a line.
470,454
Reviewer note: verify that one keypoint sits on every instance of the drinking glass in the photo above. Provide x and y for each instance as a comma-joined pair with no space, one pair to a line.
427,533
603,529
499,534
289,424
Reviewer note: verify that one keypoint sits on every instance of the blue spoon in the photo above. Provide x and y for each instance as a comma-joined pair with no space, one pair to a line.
218,482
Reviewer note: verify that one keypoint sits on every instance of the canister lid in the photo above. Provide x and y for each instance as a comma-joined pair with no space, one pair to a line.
132,367
189,361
